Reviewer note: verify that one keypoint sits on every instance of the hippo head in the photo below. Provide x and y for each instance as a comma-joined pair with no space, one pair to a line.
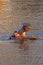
26,27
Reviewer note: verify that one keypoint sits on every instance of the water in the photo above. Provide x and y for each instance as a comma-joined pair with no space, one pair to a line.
12,15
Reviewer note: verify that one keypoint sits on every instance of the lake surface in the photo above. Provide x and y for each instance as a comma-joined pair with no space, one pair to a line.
12,15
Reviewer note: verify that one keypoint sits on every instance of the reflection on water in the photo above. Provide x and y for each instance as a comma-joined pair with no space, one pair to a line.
5,15
12,15
16,53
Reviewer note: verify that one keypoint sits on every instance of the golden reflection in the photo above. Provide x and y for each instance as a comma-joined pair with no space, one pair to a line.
3,2
5,14
5,10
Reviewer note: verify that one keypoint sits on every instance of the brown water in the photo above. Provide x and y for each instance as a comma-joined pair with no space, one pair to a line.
12,15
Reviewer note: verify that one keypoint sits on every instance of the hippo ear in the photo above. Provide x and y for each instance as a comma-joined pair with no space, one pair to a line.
26,24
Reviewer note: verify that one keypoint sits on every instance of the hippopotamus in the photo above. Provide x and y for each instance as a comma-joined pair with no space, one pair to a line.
22,32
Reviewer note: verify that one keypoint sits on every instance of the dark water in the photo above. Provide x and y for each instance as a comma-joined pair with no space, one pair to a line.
12,15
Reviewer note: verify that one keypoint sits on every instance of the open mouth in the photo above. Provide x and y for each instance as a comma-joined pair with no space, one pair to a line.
23,34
